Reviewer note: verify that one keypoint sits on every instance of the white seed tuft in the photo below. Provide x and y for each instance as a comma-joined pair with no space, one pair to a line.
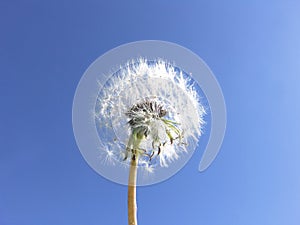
154,100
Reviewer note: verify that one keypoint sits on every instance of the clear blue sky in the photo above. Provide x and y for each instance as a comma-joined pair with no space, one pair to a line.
253,50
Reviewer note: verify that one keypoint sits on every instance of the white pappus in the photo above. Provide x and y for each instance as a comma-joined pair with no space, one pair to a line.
150,109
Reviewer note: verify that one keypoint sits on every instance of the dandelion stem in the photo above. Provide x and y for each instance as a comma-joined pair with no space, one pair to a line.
132,207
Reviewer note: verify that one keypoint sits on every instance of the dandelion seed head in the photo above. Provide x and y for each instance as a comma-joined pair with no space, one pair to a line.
155,99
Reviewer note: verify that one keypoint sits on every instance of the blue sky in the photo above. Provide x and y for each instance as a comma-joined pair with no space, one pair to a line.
254,52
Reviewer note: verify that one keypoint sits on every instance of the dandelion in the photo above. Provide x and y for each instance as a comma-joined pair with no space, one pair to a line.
150,112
